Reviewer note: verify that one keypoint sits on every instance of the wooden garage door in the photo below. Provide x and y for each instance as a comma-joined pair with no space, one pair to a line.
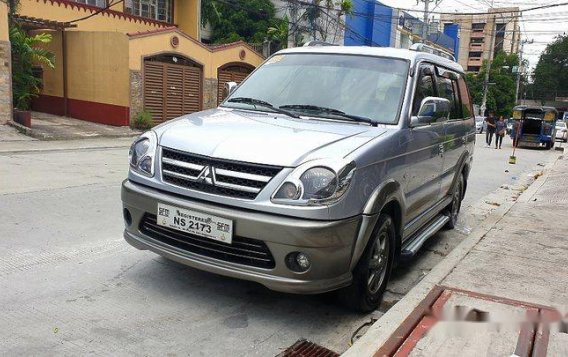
171,90
230,74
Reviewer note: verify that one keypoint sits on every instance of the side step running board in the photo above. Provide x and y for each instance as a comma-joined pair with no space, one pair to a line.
413,244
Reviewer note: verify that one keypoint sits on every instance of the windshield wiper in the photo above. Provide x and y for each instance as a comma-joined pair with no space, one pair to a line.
261,103
331,111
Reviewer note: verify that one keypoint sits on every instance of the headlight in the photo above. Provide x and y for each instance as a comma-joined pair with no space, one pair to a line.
142,153
316,184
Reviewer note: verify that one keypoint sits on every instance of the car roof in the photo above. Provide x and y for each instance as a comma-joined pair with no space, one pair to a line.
410,55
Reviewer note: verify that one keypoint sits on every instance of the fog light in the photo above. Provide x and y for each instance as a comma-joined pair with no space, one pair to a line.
303,261
298,262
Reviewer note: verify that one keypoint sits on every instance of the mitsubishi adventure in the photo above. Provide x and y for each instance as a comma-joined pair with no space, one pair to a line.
321,171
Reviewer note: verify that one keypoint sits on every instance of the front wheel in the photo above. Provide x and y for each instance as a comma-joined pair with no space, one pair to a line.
453,209
371,275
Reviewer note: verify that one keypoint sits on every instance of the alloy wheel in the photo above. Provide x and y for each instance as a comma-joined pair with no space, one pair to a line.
378,262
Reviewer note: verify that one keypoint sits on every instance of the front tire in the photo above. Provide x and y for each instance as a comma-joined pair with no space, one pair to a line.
372,273
453,209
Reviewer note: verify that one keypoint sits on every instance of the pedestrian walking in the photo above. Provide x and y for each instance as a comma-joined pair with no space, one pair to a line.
500,129
490,121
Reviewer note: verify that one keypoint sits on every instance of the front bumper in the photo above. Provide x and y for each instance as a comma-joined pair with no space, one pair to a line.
329,244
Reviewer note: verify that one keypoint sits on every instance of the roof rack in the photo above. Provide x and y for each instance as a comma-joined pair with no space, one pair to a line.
317,43
420,47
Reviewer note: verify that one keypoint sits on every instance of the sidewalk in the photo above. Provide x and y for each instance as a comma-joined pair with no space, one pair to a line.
511,269
53,127
14,142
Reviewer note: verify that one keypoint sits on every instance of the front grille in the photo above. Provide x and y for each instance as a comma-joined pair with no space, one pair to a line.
242,250
221,177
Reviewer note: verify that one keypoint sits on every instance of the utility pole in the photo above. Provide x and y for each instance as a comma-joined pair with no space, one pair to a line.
520,69
489,60
425,19
293,23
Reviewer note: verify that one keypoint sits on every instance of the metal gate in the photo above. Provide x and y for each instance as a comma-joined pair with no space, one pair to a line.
231,73
171,90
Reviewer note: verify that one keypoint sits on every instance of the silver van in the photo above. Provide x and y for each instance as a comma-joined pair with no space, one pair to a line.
319,172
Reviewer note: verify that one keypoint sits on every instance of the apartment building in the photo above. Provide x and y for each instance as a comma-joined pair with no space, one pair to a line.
482,36
115,59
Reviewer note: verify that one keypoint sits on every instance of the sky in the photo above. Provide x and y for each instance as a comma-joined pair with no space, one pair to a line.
540,26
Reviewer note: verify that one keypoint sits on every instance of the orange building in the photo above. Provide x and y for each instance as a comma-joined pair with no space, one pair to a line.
5,62
116,58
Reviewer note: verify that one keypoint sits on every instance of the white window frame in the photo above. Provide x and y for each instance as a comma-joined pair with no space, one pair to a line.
97,3
134,7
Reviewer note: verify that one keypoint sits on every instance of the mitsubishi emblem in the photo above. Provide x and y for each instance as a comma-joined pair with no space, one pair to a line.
206,175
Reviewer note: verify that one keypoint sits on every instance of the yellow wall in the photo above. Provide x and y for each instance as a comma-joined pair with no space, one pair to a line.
187,16
144,46
53,77
98,67
61,11
3,21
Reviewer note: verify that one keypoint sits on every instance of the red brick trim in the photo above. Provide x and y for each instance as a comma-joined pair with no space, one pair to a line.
101,113
109,13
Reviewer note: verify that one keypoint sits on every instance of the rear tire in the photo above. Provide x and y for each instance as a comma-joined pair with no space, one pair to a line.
453,209
372,273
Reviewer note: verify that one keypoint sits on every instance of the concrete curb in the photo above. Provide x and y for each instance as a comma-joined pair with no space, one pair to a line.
21,128
381,330
41,136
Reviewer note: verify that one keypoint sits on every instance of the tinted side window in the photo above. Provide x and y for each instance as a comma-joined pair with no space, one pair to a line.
465,98
424,87
448,89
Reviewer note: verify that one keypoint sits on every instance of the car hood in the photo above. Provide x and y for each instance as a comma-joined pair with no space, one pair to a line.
263,138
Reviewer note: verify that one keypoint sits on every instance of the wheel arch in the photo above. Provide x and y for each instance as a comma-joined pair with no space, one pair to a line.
464,168
386,198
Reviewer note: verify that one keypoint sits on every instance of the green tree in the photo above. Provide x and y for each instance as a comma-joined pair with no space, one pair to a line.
247,20
26,53
502,84
551,72
279,33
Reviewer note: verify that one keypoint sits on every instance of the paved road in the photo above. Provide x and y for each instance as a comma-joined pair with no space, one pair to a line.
70,285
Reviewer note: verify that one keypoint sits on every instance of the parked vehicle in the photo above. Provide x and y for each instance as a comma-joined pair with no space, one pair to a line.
561,131
480,124
319,172
537,126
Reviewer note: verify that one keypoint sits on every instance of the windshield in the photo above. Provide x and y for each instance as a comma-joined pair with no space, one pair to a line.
312,84
560,124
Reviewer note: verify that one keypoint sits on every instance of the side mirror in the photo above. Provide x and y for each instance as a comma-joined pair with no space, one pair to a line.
432,109
229,88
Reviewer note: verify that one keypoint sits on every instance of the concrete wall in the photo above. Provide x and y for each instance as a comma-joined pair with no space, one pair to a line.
97,77
187,15
5,67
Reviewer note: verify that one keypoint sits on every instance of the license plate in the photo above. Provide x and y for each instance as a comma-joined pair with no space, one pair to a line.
197,223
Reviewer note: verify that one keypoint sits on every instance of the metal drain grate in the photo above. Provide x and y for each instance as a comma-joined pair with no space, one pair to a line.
305,348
